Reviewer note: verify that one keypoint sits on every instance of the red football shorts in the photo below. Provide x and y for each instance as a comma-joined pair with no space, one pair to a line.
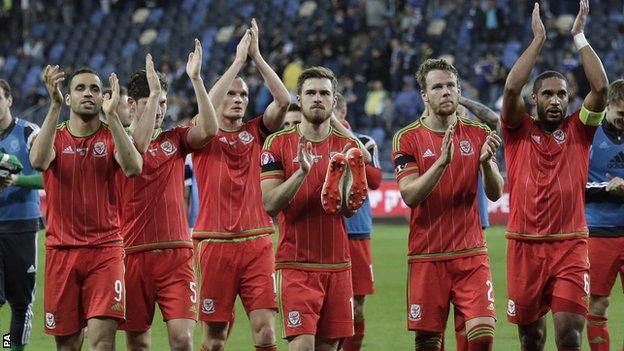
316,303
361,266
82,283
606,259
165,277
432,286
230,267
546,275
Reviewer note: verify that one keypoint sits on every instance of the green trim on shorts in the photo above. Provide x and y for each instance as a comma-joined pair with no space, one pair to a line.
591,118
235,240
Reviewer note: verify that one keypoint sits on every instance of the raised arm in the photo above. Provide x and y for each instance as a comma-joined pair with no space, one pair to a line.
416,187
513,105
596,100
273,117
206,125
277,194
42,152
492,180
144,125
479,110
222,85
126,155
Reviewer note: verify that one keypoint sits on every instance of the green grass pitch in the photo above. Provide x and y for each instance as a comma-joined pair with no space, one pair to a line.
385,311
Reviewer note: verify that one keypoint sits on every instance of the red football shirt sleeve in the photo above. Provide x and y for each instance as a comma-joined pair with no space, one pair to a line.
586,132
403,156
182,133
271,161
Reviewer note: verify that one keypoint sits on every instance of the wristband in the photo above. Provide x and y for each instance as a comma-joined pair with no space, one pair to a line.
580,41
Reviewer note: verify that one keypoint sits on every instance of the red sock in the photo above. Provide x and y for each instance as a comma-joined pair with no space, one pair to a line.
597,333
354,343
462,341
266,348
480,337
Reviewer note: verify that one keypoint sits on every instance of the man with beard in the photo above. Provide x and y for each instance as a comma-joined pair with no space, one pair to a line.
604,205
546,157
312,261
232,232
157,242
438,159
84,283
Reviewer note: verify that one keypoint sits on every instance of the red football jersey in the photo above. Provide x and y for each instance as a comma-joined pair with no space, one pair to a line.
228,178
547,174
446,224
80,190
310,239
152,204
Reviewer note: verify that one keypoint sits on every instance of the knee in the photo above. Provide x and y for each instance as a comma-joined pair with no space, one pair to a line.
264,333
358,313
533,339
103,345
181,341
425,340
598,306
214,345
569,339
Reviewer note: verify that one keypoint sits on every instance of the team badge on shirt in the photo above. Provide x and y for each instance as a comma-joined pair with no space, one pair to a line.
208,306
266,158
415,312
49,320
294,319
465,147
99,149
245,137
168,147
511,308
559,136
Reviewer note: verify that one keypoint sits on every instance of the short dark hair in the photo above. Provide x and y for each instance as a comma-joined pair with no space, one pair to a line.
294,108
316,72
6,88
81,70
138,87
433,65
616,91
122,90
537,83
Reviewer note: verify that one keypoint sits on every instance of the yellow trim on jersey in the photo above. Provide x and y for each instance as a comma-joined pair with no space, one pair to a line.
407,171
234,240
61,125
396,140
101,125
591,118
280,265
449,254
472,122
555,236
280,301
232,235
269,139
175,244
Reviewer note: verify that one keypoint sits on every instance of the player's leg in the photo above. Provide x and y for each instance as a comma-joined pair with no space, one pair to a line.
257,291
336,319
428,340
571,292
138,340
180,333
303,342
528,291
216,301
480,333
603,257
326,344
19,278
71,342
354,343
103,296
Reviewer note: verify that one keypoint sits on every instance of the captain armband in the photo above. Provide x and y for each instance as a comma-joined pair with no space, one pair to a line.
590,118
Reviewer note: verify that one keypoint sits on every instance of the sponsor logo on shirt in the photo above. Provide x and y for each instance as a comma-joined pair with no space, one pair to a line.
559,136
68,150
266,158
49,321
168,147
294,319
428,153
245,137
536,138
99,149
511,308
82,150
152,151
415,312
208,306
617,161
224,140
465,148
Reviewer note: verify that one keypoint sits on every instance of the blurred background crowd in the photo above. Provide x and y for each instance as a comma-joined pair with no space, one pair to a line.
373,46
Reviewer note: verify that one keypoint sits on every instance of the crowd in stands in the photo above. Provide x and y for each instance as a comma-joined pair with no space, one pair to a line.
373,46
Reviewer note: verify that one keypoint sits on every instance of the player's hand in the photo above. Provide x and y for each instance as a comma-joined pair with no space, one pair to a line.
110,104
193,65
615,185
242,49
447,146
8,181
579,21
536,23
491,144
152,77
304,155
254,47
52,77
